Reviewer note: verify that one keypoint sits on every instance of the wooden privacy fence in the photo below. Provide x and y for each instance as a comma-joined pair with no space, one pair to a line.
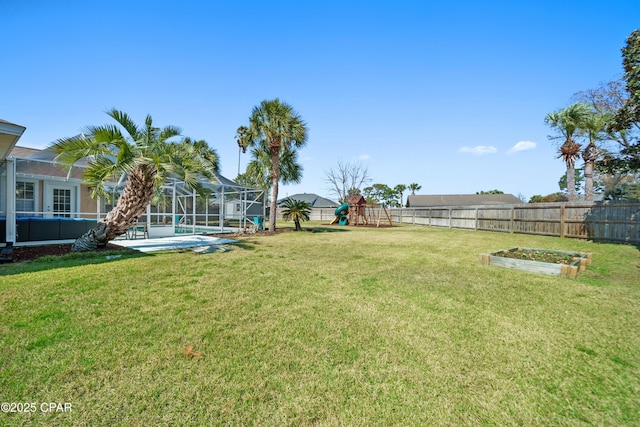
610,222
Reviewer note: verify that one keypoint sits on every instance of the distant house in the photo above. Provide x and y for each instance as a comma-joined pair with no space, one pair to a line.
313,199
438,200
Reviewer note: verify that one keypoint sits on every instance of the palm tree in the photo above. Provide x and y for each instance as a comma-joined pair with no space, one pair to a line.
568,122
259,167
143,156
257,174
400,189
296,211
594,125
242,138
414,187
282,130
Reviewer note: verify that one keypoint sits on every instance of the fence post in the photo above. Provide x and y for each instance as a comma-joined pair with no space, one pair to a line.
476,222
513,215
562,219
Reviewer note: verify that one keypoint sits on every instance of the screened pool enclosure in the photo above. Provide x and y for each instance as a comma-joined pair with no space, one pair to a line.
42,201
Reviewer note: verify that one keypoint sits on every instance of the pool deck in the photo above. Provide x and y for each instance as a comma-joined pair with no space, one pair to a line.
172,243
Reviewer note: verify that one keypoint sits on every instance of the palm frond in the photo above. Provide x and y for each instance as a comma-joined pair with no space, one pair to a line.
169,132
278,124
296,210
114,151
70,150
569,152
100,171
125,121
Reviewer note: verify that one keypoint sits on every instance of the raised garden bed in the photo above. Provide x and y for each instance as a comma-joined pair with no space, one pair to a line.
542,261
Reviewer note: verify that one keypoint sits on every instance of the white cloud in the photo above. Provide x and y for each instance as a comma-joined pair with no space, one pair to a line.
478,150
522,146
364,157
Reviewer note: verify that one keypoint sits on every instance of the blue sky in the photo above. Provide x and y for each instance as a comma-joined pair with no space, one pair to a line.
450,95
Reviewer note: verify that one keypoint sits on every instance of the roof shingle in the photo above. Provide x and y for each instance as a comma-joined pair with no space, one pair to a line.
423,201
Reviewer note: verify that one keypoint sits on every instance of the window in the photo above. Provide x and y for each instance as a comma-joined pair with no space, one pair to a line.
62,202
25,197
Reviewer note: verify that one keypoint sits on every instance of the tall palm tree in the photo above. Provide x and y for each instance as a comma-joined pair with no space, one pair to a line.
282,129
296,211
400,189
568,122
414,187
145,156
594,125
242,138
258,172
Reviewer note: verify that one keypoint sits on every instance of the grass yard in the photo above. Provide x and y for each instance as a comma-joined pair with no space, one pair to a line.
346,326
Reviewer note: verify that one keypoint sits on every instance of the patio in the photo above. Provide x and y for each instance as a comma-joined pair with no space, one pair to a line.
200,243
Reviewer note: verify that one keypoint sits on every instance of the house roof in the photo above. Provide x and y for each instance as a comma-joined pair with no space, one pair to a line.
37,163
357,200
10,133
40,163
313,199
423,201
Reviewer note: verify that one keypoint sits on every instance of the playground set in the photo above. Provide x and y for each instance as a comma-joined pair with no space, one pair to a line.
358,212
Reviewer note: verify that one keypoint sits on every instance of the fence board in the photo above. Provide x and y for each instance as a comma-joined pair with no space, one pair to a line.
609,222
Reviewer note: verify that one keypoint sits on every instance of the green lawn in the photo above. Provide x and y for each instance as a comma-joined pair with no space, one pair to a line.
346,326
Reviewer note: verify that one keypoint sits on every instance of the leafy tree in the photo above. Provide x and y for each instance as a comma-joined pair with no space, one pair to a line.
619,157
567,122
282,129
621,186
594,126
549,198
627,118
346,179
144,156
629,114
490,192
414,187
296,211
381,194
400,189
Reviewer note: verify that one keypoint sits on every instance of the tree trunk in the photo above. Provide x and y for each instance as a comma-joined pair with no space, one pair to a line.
571,183
132,203
275,177
588,181
589,155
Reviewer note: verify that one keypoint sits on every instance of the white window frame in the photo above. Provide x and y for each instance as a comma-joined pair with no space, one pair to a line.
36,194
47,202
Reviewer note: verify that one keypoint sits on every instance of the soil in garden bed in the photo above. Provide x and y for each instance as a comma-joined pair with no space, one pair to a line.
536,255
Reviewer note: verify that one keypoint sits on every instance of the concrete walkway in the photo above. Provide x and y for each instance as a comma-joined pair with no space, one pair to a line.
198,242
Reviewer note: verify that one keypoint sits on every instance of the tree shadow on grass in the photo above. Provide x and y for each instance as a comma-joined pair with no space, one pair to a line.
74,259
325,229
